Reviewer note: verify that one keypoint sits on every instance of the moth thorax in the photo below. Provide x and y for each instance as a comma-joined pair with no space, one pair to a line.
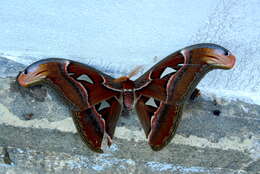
128,94
128,97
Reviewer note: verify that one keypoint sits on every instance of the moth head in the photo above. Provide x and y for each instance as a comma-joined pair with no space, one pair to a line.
214,55
37,73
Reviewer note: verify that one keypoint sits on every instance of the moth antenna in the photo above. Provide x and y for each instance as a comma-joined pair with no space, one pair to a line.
135,71
131,74
121,79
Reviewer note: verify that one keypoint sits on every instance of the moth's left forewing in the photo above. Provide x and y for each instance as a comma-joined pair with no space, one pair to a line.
92,80
96,121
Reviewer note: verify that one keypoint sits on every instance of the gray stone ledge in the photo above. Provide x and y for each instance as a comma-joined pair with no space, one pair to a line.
56,162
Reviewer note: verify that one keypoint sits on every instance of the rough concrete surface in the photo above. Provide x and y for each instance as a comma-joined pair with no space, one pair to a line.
37,135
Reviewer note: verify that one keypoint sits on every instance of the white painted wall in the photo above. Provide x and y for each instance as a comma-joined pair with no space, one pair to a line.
118,35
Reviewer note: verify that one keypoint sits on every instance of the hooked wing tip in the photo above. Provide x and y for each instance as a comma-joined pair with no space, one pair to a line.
214,55
222,61
21,79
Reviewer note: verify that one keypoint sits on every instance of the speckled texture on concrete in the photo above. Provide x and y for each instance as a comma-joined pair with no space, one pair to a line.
38,136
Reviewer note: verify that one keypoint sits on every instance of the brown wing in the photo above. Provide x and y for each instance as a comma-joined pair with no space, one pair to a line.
83,87
170,91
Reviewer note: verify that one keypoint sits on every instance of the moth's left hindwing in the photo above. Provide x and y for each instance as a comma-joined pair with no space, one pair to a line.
104,108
